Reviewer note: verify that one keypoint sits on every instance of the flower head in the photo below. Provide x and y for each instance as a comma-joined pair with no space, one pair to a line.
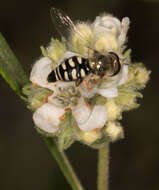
89,111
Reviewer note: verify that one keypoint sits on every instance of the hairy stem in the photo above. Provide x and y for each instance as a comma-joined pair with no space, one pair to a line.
64,164
103,168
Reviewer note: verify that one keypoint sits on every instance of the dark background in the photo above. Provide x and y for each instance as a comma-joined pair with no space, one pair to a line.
25,162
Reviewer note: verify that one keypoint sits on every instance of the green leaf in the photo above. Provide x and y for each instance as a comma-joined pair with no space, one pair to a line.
97,100
127,99
10,68
36,96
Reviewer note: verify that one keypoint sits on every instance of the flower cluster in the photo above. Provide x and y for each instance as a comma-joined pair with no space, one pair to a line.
90,112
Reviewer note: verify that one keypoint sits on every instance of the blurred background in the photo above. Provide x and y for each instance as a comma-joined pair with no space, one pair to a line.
25,162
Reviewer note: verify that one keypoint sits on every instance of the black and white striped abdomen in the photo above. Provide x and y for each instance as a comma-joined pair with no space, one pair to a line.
70,69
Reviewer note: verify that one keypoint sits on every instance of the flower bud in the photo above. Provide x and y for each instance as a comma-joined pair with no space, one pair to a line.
114,131
81,40
56,50
127,99
113,110
90,137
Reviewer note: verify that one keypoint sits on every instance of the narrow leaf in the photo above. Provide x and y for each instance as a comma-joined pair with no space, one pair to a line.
10,68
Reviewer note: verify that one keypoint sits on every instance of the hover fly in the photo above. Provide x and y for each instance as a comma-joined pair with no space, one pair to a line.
77,67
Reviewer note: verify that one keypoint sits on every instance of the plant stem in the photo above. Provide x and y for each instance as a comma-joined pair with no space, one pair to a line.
64,164
103,168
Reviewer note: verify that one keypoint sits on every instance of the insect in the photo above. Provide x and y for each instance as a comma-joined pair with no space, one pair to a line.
77,67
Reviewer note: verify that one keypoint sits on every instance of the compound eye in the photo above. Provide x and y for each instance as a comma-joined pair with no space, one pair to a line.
116,66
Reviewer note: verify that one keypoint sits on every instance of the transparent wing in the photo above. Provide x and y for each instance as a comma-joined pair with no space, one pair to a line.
65,26
62,22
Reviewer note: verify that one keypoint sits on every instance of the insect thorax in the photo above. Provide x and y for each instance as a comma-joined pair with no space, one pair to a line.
108,65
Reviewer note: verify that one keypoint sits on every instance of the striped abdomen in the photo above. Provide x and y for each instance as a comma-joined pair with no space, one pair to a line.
71,69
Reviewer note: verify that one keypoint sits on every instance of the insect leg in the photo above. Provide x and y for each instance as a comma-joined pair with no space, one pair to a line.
78,81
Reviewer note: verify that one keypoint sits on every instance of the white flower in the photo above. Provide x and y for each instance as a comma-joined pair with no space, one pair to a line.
97,119
109,25
86,116
89,111
108,34
47,117
40,71
107,89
